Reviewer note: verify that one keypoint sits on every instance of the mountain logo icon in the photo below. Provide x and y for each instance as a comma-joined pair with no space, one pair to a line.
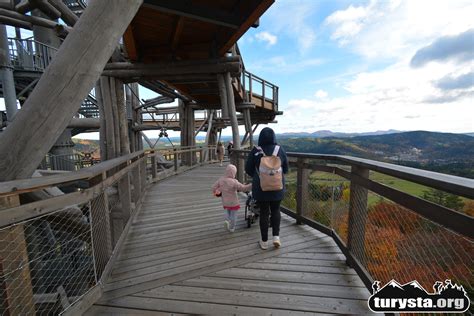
394,297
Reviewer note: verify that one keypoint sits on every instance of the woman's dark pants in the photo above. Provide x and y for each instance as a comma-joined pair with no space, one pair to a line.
271,208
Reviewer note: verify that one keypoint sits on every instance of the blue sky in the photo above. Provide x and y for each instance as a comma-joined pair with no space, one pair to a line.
347,65
358,66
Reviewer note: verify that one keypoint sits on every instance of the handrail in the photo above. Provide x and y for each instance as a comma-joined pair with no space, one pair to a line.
33,184
452,184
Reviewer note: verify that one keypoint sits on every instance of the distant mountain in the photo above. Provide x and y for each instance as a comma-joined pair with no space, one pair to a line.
327,133
441,152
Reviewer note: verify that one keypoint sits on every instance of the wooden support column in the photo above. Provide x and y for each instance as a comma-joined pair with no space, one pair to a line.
223,96
16,287
63,86
136,115
234,124
210,115
186,122
6,76
106,105
301,189
102,129
115,115
122,116
357,215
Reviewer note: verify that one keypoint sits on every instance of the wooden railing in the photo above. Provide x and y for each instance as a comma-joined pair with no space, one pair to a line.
384,231
58,250
257,90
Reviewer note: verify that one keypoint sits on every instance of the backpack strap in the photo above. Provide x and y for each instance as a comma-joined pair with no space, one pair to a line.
275,150
259,151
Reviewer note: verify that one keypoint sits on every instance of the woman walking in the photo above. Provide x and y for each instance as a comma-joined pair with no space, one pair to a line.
220,152
266,164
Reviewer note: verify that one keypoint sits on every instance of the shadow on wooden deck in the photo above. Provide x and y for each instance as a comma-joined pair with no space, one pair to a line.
179,259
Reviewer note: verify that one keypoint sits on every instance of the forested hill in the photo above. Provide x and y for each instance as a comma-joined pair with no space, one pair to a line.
418,145
442,152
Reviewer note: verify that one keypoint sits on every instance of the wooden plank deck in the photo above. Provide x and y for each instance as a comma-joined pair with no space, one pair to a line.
178,259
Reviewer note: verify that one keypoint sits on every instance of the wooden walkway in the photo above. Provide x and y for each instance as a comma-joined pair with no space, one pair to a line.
179,259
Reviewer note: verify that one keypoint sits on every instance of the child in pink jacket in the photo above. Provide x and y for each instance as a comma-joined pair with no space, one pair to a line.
228,186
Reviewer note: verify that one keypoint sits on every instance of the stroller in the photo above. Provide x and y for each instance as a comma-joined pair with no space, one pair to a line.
251,210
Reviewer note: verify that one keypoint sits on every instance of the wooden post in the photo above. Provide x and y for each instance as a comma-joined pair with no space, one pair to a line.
16,290
136,185
102,129
108,118
357,215
154,167
301,189
125,197
234,124
6,76
143,176
122,116
210,115
223,96
63,86
175,160
115,115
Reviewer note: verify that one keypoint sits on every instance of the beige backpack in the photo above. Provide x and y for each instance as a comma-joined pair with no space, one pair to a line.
270,172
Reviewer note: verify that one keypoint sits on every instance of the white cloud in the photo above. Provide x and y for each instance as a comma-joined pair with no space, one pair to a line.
389,29
281,64
267,37
321,94
293,19
397,97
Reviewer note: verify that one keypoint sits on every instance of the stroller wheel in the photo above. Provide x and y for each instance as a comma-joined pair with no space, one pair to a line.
249,222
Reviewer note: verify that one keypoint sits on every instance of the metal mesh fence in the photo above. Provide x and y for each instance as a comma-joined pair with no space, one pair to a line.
46,263
389,240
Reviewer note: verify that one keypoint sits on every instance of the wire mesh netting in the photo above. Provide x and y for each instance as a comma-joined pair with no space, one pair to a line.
46,263
389,240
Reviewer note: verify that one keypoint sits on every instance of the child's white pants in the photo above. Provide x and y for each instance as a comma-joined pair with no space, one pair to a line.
231,216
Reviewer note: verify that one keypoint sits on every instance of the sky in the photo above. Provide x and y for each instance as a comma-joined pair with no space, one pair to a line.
360,66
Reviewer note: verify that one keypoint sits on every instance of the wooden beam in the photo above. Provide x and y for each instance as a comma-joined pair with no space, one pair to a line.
16,17
46,8
16,284
89,123
177,33
144,70
196,12
66,14
63,86
130,44
254,16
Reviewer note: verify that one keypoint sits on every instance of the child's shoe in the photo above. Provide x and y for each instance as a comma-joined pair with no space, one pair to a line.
232,230
276,241
263,244
227,225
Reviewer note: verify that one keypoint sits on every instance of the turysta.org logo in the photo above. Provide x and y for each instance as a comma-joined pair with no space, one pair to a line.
412,297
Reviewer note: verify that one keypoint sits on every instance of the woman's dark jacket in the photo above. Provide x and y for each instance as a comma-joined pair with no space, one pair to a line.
267,142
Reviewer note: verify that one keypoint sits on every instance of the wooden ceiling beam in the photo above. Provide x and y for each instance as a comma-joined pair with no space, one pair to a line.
177,33
261,7
130,44
195,12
